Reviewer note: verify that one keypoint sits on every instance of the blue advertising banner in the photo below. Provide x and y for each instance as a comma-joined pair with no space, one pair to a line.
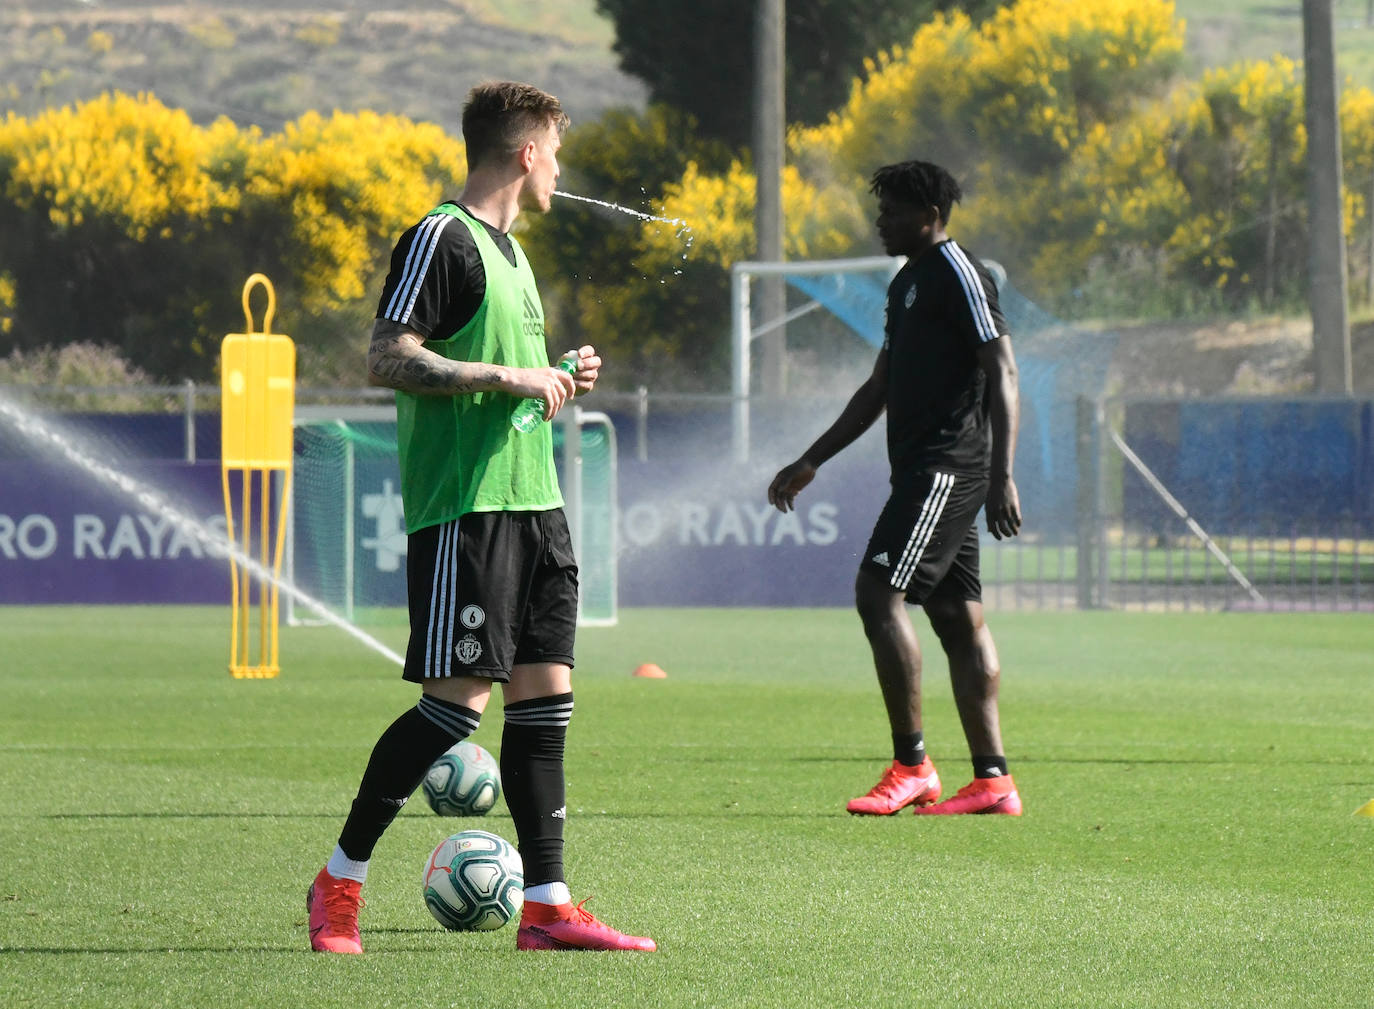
67,538
705,535
1255,465
692,531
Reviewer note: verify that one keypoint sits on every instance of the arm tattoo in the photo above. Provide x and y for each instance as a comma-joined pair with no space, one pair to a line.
396,360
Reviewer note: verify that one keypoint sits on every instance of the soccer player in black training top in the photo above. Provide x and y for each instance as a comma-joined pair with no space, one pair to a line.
947,379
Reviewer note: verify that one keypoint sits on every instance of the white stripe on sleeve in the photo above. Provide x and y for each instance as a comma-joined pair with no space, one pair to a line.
422,246
972,284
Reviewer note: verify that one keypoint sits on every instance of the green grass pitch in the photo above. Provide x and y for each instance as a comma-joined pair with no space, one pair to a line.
1189,782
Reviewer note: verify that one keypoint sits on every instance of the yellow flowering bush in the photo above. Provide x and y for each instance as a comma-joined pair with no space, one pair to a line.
99,42
1204,189
719,210
129,160
1044,71
907,101
6,302
1000,104
1357,154
143,225
350,183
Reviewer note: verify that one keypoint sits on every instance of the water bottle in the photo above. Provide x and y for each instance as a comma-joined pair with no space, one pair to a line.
530,413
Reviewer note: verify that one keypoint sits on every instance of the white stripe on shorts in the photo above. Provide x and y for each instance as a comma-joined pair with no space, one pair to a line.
440,631
925,526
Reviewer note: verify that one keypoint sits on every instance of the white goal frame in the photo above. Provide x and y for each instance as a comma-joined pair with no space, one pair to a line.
572,420
743,333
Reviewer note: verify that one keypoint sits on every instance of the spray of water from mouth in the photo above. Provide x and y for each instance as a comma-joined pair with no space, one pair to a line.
147,498
684,230
624,210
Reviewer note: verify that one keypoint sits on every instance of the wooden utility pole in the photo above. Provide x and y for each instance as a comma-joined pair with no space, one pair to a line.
1327,291
769,132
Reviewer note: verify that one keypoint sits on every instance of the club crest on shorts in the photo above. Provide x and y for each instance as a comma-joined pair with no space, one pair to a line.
910,296
472,616
468,650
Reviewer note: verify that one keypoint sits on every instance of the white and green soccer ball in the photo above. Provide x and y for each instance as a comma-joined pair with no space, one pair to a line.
474,882
465,781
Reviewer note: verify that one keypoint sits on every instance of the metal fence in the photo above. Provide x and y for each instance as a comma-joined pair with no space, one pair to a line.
1131,568
1271,520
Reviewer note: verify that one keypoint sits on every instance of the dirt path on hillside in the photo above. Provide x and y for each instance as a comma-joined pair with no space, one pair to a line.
1266,357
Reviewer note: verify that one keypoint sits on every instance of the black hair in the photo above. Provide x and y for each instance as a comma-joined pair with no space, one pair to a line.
919,183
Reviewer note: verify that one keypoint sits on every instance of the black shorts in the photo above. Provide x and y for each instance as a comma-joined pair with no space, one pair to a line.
488,591
925,542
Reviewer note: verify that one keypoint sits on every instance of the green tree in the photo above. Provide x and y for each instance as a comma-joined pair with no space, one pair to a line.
697,55
602,280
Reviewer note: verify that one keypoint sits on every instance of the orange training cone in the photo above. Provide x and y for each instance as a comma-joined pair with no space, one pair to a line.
649,671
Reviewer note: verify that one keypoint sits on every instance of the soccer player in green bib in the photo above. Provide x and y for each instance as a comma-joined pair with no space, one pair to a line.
491,577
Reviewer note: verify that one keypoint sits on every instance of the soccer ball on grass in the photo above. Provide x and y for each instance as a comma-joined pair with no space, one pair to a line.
465,781
474,882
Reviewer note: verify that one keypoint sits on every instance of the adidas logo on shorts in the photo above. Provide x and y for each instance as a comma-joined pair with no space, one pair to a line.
881,559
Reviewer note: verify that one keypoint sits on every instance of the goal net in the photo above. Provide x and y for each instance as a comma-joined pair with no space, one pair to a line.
346,543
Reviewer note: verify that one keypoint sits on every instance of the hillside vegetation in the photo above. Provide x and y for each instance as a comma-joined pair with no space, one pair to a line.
1225,31
265,66
263,63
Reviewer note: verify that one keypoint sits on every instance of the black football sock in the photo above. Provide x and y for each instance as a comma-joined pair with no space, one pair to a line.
398,764
989,767
532,745
908,748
